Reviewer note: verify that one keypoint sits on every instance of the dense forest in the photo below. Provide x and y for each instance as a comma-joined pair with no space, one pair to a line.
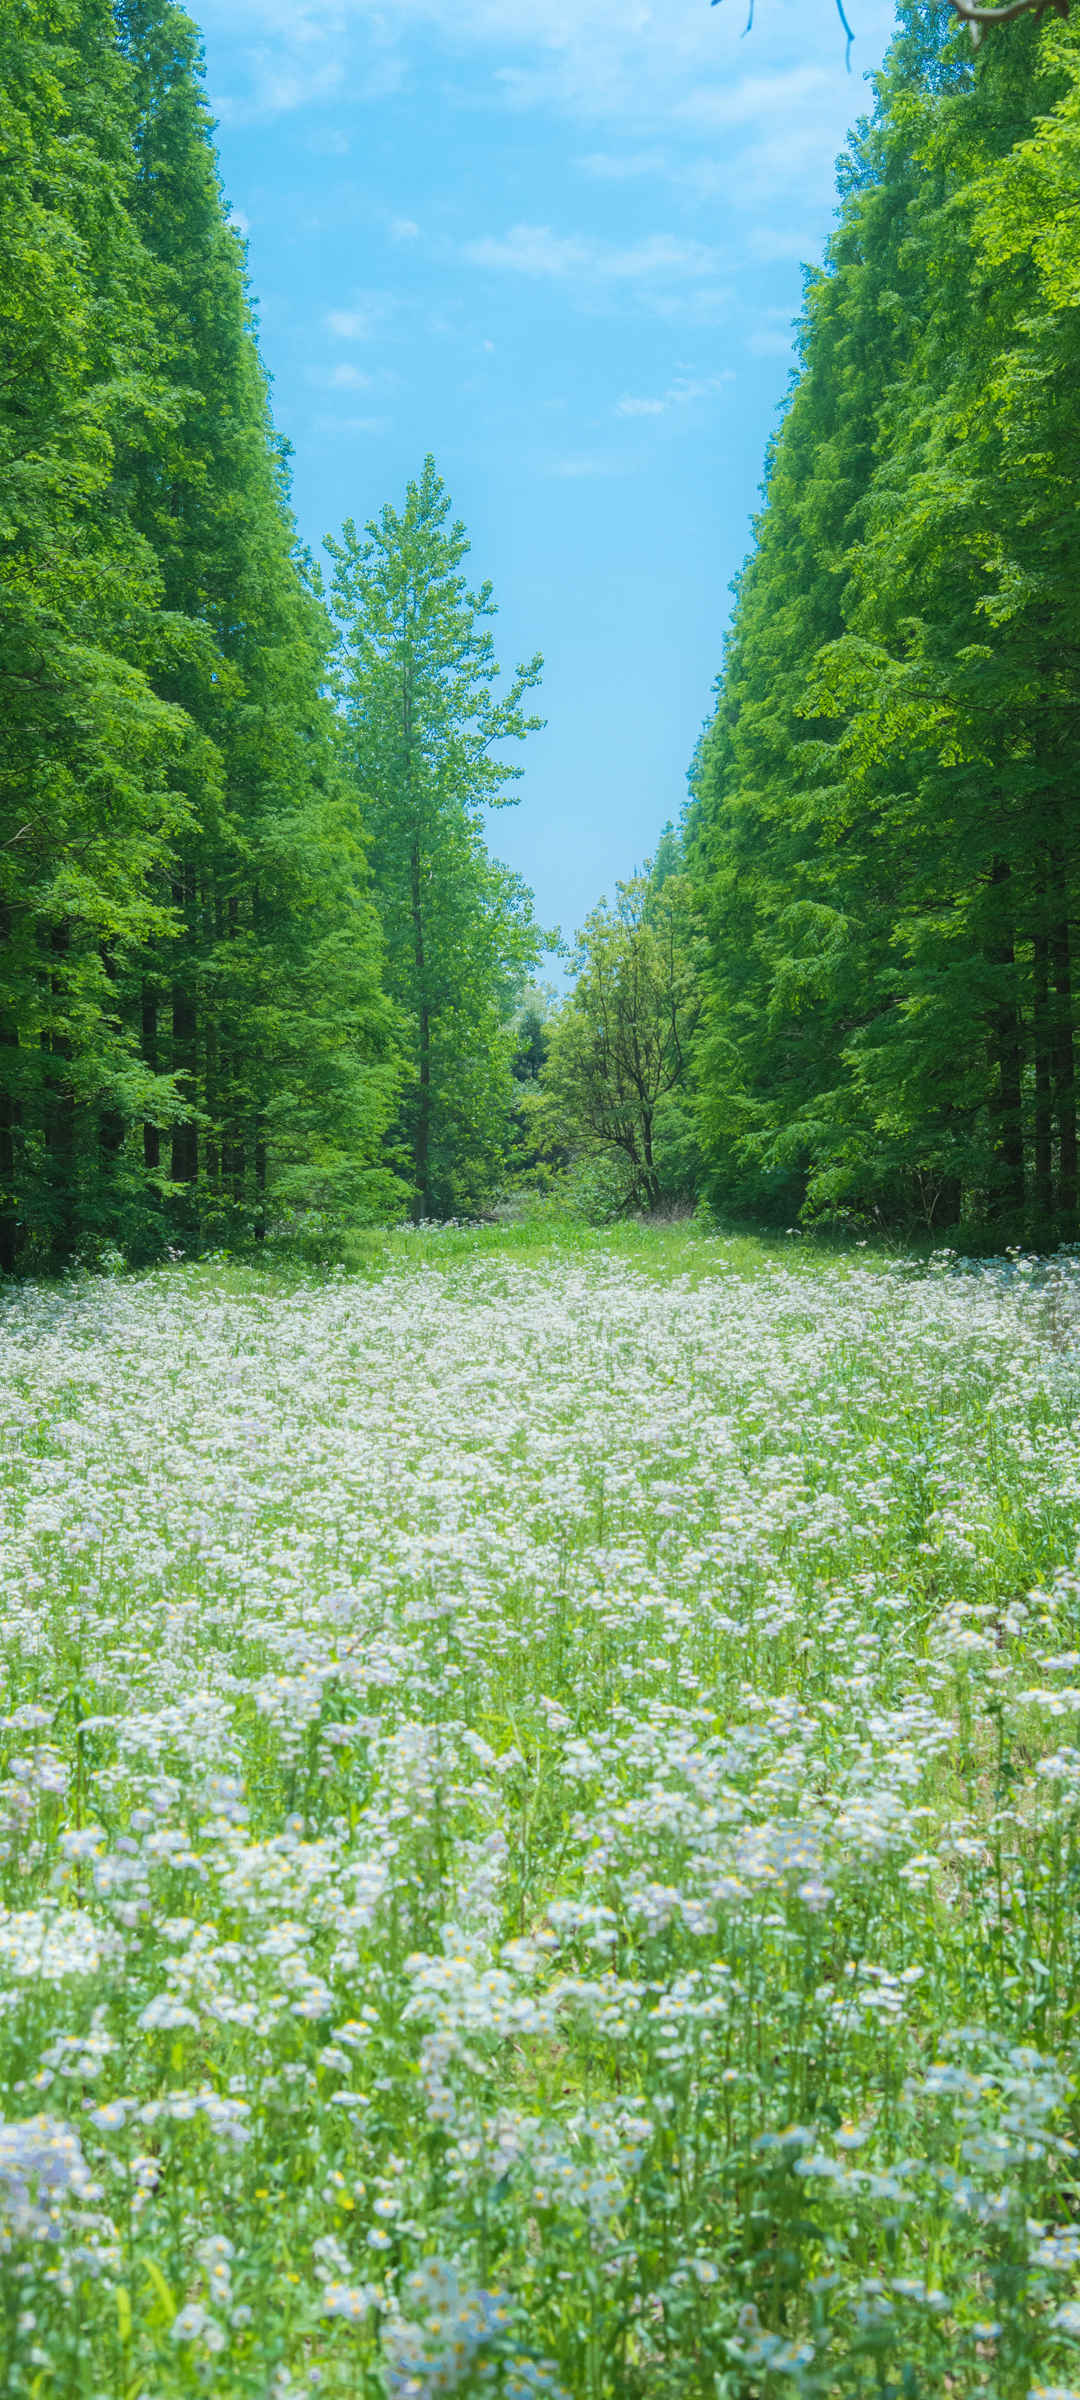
259,969
255,961
884,837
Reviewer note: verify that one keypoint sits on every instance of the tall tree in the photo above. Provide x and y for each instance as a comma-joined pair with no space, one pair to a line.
192,1026
426,727
88,749
265,1000
883,830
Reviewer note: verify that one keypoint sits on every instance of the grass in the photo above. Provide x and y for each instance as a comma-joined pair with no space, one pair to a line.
540,1824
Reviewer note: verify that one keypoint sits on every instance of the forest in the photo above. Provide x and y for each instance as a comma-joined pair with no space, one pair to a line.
539,1525
259,969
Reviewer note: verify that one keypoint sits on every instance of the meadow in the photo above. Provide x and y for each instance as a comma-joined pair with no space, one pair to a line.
540,1826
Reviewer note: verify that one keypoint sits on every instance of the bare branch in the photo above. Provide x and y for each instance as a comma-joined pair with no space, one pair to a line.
843,20
976,19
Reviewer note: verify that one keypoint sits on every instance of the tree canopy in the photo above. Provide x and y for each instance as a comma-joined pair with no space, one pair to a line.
883,833
427,727
254,960
258,965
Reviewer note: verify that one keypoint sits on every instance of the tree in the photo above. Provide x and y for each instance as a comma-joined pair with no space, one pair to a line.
883,834
264,998
192,1026
91,753
426,730
618,1048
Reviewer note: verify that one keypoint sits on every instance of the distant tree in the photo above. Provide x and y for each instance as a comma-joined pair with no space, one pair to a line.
530,1149
669,856
618,1047
426,728
530,1047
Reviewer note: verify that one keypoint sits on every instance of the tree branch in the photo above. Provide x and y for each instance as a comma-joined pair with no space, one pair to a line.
977,18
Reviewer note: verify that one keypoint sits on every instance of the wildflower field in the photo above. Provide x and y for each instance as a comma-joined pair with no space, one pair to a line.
540,1796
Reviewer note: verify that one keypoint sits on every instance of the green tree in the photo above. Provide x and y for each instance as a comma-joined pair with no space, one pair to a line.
90,754
955,684
618,1047
426,729
192,1025
883,833
264,999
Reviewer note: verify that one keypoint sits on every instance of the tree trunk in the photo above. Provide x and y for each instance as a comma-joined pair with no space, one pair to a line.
151,1133
1006,1100
260,1178
60,1120
233,1150
1063,1049
9,1119
112,1127
185,1134
422,1141
213,1152
650,1179
185,1055
8,1201
1044,1113
112,1123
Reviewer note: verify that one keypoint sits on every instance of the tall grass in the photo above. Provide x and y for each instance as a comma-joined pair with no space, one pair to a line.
540,1826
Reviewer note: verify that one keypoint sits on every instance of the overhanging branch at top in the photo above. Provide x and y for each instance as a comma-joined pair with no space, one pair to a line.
976,19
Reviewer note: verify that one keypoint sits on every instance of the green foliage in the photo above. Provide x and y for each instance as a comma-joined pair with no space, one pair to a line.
266,999
883,834
192,1028
618,1047
86,742
426,728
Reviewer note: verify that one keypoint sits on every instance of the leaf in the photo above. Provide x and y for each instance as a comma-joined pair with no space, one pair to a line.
166,2304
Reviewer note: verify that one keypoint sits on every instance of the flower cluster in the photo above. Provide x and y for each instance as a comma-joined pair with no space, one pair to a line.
540,1829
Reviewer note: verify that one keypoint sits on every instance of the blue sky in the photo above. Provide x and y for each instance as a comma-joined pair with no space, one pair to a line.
558,243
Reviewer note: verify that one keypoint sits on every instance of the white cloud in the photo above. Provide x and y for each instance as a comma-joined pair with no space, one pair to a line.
770,342
775,243
622,166
698,304
596,60
351,425
351,324
403,229
348,379
680,394
757,100
537,251
583,468
704,389
279,84
532,250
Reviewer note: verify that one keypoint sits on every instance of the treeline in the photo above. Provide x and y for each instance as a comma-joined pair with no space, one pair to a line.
847,988
884,837
254,958
257,966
